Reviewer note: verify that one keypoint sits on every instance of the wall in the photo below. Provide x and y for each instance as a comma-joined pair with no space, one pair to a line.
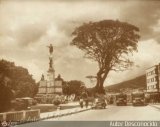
20,115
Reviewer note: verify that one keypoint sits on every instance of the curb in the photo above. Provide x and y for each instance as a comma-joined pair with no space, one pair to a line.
154,106
55,116
65,114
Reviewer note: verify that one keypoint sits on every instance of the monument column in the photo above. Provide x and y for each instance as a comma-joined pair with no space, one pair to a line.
51,72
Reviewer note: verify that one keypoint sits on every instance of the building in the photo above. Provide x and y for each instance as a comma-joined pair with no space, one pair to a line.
153,78
58,84
50,86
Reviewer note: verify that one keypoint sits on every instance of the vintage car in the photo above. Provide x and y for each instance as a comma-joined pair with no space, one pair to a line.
138,98
23,103
99,103
121,99
19,104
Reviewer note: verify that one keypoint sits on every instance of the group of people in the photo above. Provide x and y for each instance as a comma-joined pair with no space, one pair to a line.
99,100
83,102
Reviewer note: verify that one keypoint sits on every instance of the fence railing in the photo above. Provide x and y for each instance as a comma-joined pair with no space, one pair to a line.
14,116
32,115
20,115
1,116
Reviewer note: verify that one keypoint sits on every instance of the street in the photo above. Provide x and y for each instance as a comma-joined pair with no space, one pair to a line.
111,113
115,113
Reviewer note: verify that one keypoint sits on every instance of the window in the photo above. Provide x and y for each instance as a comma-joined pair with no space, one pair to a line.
154,72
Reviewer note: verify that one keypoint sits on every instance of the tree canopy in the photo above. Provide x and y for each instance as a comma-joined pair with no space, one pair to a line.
108,43
6,94
19,79
73,87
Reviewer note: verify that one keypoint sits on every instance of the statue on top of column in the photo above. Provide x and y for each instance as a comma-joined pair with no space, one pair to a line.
42,78
50,48
50,62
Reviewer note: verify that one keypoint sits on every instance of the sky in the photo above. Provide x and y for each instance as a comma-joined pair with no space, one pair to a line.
27,27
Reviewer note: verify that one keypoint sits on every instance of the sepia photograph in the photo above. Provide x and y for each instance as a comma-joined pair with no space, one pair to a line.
79,63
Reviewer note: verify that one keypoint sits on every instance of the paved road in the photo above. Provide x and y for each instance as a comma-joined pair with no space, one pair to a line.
112,113
115,113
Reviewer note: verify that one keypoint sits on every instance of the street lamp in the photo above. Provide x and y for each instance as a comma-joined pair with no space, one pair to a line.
92,79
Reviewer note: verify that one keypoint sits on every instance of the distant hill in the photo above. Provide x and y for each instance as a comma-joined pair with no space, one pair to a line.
138,82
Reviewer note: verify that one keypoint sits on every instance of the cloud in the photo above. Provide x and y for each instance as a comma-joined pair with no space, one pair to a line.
27,27
29,33
145,15
147,56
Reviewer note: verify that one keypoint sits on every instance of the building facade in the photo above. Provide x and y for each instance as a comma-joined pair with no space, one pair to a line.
50,86
153,79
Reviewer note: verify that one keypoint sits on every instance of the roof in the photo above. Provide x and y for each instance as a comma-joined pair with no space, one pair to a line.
26,98
152,66
58,78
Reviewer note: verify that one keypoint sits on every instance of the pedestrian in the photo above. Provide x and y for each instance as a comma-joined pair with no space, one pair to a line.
81,102
106,101
96,100
86,102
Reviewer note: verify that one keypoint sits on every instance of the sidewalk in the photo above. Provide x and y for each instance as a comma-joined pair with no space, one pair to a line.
59,113
157,106
56,114
70,104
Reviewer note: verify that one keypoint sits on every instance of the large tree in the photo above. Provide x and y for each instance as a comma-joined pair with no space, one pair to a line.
109,43
19,79
6,94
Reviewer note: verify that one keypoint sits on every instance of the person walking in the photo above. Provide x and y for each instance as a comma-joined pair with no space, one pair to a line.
86,102
81,102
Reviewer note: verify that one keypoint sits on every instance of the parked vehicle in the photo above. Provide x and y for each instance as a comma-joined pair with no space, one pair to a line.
100,103
29,100
121,99
138,98
19,104
23,103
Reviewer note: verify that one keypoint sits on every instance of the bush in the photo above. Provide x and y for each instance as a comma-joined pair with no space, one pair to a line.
34,102
56,102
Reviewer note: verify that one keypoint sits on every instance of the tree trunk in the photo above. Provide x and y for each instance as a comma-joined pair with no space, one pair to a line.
100,81
99,85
